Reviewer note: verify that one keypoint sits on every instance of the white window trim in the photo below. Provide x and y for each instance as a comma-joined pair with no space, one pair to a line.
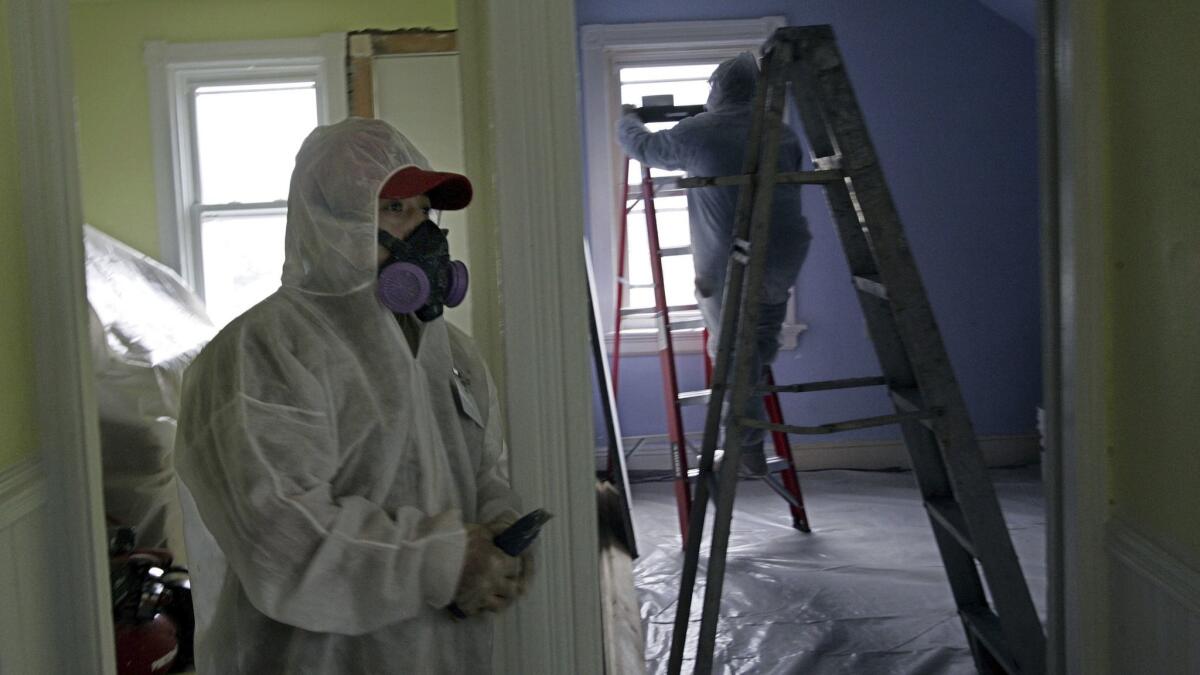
605,49
173,69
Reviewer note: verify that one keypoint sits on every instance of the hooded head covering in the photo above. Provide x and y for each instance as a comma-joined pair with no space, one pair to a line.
733,82
330,246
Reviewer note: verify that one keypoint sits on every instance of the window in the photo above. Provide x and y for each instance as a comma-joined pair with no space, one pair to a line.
229,119
621,64
688,85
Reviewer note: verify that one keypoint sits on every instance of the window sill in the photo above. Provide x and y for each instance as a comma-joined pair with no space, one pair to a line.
644,341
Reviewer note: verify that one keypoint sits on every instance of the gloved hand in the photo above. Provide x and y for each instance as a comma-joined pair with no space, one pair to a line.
628,109
490,578
502,523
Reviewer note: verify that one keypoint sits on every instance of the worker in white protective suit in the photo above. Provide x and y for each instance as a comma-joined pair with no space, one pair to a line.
713,143
346,456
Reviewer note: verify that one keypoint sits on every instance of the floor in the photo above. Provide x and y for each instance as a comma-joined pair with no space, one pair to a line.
863,593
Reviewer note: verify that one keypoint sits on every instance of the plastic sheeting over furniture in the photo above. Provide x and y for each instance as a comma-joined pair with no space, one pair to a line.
146,326
865,593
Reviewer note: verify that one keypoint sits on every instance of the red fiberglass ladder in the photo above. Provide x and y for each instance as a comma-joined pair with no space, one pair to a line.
674,399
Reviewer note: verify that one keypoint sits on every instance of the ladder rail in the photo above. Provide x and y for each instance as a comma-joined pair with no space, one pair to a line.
914,320
767,166
783,450
966,584
712,419
666,353
752,273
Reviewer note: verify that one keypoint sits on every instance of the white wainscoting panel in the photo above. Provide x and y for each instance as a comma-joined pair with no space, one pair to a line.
1155,607
26,630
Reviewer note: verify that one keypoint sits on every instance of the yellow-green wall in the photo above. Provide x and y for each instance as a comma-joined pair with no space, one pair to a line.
17,431
1154,221
108,38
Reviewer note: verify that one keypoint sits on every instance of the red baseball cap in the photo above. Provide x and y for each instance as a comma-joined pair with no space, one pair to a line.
447,191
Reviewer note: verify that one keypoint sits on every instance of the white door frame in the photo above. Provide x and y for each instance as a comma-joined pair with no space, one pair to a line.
1073,135
67,428
528,88
521,78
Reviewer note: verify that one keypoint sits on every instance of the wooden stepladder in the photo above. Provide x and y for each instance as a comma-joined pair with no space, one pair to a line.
1001,624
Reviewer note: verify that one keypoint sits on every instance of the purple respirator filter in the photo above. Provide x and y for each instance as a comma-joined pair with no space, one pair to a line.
403,287
458,284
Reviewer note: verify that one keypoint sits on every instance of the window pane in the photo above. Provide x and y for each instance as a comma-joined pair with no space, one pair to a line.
681,280
671,214
243,260
653,73
641,297
247,137
637,260
686,92
677,270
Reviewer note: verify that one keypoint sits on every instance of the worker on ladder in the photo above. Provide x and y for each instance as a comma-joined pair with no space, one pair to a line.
713,143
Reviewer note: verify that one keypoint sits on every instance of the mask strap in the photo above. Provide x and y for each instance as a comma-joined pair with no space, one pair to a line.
394,245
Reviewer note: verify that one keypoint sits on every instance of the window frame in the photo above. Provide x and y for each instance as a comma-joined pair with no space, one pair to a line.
174,73
605,49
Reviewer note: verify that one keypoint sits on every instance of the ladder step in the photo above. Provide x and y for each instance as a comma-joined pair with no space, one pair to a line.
945,512
687,324
774,465
659,193
674,250
773,483
790,177
651,312
836,427
909,399
664,186
826,385
833,163
985,626
695,473
699,397
628,284
870,284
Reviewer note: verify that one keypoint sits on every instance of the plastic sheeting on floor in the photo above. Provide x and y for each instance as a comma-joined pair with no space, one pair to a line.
864,593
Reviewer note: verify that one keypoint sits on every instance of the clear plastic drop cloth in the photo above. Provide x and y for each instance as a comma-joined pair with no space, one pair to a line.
864,593
146,327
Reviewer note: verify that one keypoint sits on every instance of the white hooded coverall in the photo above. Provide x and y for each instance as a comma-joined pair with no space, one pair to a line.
333,466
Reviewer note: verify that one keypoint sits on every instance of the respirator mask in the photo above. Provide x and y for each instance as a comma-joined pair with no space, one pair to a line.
419,275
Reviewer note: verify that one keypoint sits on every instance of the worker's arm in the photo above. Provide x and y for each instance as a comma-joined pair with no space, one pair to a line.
259,452
668,149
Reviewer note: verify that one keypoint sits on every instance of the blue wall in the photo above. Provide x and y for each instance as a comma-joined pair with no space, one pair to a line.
948,88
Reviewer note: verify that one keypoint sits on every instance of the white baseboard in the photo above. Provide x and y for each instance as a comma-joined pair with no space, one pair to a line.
28,636
654,453
1155,610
